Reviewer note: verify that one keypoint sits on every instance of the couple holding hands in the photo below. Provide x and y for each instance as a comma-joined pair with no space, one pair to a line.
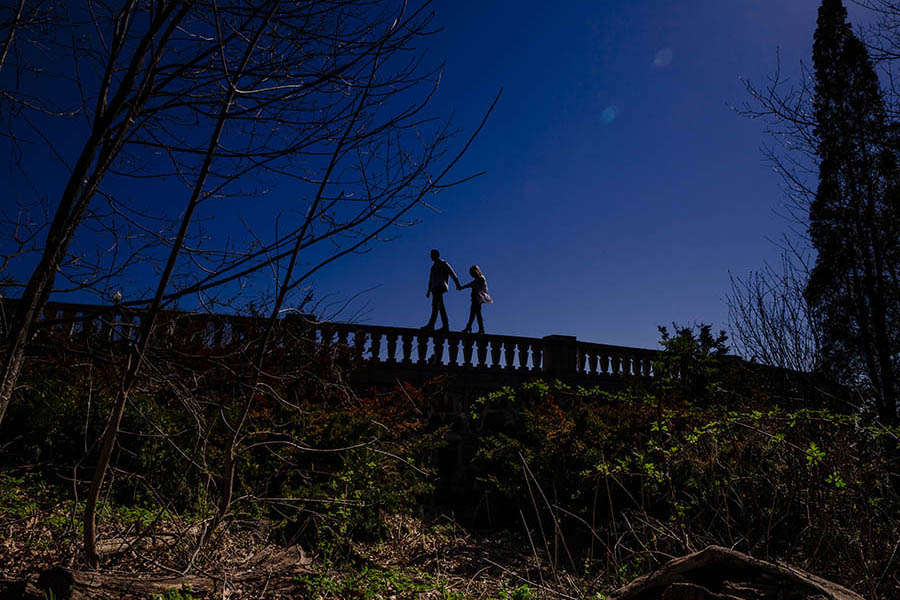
439,284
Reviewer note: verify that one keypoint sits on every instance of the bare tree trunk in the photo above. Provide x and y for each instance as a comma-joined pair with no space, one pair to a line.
98,152
138,352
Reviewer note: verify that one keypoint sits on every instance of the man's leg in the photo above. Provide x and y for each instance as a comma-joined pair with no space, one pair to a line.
477,308
443,311
436,305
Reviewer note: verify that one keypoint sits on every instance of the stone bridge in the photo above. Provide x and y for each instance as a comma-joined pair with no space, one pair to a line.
382,355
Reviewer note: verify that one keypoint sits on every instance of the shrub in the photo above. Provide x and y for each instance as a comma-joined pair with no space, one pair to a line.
619,482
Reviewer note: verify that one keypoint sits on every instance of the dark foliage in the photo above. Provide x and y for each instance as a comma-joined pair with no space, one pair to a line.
318,463
608,485
619,483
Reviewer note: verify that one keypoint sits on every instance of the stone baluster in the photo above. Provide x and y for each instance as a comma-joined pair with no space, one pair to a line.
215,335
648,366
375,347
240,333
509,354
593,362
482,352
218,331
68,325
134,325
437,356
453,350
467,342
137,322
206,332
102,326
80,327
406,343
246,330
237,333
208,326
197,329
582,359
131,324
166,324
170,326
187,329
359,345
118,330
613,364
279,333
422,347
49,315
123,327
495,354
604,363
391,347
87,326
522,351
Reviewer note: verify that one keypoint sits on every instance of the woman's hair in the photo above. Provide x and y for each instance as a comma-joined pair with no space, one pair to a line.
475,271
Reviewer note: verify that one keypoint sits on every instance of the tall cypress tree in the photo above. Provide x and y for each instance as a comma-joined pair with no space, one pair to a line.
853,219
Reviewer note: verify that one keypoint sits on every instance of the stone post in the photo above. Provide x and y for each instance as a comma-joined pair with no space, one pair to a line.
560,355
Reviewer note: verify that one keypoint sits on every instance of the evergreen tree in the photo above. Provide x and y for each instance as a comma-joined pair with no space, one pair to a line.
853,219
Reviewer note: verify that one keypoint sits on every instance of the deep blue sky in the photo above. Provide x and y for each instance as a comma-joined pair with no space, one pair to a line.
621,186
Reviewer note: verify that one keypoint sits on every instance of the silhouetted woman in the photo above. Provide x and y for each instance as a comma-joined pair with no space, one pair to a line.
479,296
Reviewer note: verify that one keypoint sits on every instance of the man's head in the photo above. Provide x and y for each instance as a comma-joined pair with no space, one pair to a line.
435,255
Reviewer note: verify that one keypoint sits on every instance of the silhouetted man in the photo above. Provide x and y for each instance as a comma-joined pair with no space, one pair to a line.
438,284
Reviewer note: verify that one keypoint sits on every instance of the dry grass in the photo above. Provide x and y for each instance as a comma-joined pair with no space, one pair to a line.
416,559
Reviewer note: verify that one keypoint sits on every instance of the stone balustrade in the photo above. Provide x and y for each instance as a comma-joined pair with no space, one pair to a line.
399,345
373,346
